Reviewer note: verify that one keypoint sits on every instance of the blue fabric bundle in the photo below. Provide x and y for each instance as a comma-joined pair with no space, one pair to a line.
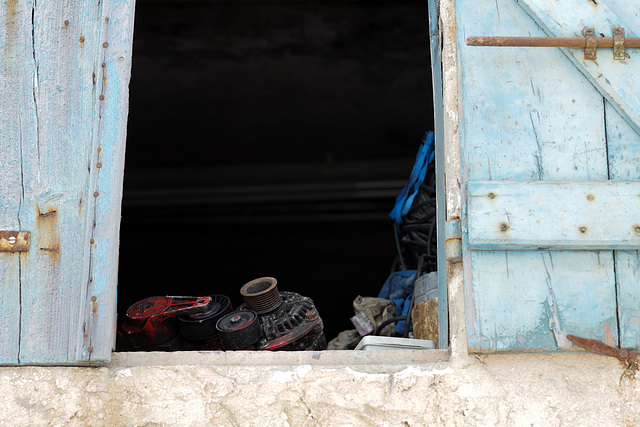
423,160
399,289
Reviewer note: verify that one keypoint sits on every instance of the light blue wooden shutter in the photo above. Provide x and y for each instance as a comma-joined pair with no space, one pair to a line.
64,76
551,169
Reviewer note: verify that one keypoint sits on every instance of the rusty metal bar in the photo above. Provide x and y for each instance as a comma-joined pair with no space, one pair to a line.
570,42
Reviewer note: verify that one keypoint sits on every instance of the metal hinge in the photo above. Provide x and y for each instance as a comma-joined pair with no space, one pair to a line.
453,241
590,42
14,241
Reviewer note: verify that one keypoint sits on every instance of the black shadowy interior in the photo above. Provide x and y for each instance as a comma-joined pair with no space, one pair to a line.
270,138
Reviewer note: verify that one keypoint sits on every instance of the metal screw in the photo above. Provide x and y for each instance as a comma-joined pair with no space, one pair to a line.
491,195
12,240
590,197
235,319
636,228
504,227
583,229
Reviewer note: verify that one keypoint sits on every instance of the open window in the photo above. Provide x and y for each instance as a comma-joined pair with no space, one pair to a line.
271,139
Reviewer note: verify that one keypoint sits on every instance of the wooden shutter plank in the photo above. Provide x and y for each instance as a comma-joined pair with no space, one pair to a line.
98,317
64,99
528,115
526,215
624,164
613,79
56,167
531,300
17,131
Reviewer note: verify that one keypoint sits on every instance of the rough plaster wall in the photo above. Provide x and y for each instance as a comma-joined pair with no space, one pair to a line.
534,389
494,390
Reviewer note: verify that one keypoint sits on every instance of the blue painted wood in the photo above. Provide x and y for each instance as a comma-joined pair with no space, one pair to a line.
16,65
68,90
610,77
624,164
529,115
532,300
530,215
436,75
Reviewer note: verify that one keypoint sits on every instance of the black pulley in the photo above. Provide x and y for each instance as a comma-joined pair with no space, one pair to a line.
239,330
202,326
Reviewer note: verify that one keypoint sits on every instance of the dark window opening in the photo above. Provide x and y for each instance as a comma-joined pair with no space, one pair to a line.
270,139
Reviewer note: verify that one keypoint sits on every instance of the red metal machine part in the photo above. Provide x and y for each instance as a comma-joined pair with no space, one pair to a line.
152,322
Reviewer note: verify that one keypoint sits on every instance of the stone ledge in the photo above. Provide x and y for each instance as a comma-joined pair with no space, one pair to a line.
266,358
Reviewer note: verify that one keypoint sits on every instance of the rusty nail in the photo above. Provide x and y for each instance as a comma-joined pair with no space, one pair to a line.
105,45
94,299
96,194
504,227
104,65
636,228
90,349
99,165
101,97
106,19
491,195
310,315
583,229
99,149
90,279
81,39
590,197
92,241
66,23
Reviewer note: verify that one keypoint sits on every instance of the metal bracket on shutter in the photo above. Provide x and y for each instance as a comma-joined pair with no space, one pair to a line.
592,44
453,241
618,44
14,241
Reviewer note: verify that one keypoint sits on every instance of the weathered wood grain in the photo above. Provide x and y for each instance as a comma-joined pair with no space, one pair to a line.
532,300
17,130
529,115
612,78
57,93
624,164
531,215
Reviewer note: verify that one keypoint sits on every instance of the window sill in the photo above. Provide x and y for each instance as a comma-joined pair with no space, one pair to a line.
337,358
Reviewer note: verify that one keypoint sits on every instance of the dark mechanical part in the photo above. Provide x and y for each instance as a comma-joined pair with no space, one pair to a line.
202,326
417,235
152,324
261,295
239,330
294,325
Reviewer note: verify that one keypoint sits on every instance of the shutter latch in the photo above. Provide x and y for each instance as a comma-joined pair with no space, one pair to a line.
590,42
14,241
